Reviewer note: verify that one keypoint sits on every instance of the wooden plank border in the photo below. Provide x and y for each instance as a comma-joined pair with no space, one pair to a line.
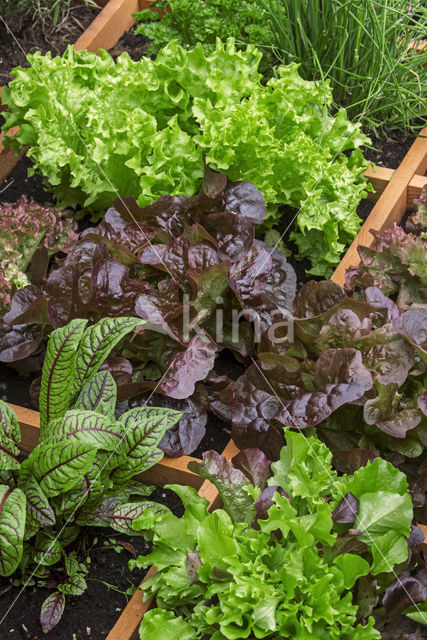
110,24
392,204
379,178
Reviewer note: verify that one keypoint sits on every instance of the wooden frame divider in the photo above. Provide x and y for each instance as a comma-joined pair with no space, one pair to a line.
395,191
392,203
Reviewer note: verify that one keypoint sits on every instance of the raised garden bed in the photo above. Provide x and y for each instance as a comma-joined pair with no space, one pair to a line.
395,191
103,32
167,471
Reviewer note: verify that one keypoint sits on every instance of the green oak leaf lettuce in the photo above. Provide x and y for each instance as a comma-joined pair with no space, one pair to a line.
290,571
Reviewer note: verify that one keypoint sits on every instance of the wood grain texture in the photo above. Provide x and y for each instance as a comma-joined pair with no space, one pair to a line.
171,471
414,190
126,627
379,177
111,23
391,205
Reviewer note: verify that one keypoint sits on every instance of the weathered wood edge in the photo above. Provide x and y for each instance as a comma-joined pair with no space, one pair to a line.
126,627
379,178
110,24
390,206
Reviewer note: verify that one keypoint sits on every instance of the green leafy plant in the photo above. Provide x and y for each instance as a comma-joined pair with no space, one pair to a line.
193,21
290,555
362,49
97,129
355,367
26,229
81,470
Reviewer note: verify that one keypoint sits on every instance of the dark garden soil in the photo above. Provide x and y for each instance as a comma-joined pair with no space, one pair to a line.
134,45
21,36
92,615
389,149
18,183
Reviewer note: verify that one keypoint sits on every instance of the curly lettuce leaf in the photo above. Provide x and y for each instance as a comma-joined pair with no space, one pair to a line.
134,119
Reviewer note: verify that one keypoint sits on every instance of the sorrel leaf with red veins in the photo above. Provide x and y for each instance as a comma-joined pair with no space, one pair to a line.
96,345
52,610
87,427
59,370
81,470
12,528
99,394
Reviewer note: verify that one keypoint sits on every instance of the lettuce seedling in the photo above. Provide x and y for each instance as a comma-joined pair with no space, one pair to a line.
80,473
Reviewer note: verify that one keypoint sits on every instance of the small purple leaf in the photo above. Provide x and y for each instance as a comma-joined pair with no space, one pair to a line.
52,610
255,465
347,510
244,199
265,500
187,368
192,562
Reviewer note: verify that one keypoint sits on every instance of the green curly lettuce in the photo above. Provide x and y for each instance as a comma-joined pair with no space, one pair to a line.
288,572
96,129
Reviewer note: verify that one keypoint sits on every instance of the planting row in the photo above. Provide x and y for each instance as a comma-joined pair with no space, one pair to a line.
350,363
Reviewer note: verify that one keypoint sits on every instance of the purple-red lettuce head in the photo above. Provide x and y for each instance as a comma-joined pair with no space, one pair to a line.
190,266
29,233
352,367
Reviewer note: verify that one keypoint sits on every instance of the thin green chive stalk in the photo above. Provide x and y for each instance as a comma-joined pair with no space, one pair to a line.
362,48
